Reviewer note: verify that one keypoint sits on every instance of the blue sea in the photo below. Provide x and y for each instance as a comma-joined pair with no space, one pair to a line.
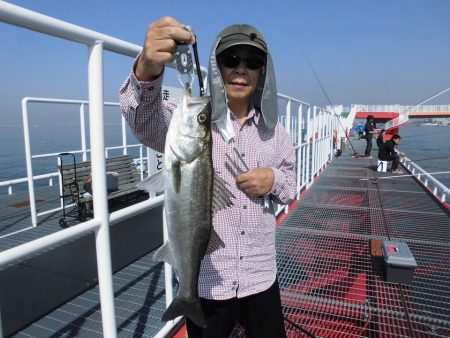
426,144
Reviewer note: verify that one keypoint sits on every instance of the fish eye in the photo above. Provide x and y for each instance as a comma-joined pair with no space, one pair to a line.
201,118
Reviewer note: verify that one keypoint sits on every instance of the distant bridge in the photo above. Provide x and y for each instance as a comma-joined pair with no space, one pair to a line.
391,116
393,111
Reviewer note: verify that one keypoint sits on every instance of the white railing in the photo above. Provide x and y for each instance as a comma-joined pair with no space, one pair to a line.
83,151
397,122
18,181
396,108
439,190
96,44
312,155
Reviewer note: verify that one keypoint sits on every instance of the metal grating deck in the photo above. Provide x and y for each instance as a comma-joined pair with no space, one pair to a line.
330,263
330,266
139,300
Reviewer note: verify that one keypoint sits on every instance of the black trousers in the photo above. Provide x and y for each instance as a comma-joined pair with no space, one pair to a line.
369,139
259,314
394,158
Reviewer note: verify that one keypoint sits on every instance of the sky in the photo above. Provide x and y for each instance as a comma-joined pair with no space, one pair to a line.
363,51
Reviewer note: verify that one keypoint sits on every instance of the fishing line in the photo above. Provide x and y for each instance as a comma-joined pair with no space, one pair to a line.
430,158
417,135
421,102
355,154
408,175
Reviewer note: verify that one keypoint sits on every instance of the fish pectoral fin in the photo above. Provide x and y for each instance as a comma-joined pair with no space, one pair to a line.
165,254
215,243
221,198
153,183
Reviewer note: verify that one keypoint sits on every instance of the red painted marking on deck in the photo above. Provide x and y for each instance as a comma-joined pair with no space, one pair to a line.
181,333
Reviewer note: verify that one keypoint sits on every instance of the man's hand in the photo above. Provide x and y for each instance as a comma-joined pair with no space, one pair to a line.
256,182
159,47
402,154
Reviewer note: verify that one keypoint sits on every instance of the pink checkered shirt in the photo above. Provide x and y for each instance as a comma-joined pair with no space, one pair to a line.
247,264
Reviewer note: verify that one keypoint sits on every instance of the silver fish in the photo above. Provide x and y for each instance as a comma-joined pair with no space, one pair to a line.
192,192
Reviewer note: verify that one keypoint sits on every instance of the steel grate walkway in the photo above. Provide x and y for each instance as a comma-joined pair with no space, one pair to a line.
330,263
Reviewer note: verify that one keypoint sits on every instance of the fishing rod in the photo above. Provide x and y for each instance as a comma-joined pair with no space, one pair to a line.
430,158
417,135
355,154
426,100
408,175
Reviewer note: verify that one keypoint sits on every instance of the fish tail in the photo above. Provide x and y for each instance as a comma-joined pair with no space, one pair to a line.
190,308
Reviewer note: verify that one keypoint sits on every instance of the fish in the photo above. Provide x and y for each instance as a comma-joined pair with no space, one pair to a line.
192,193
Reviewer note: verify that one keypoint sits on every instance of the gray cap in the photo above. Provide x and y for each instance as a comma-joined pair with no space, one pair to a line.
265,97
241,35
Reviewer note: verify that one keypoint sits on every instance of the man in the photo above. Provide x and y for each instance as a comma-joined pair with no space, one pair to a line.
239,280
380,138
388,153
369,129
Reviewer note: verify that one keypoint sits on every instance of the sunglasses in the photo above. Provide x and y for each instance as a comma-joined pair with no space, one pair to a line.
252,62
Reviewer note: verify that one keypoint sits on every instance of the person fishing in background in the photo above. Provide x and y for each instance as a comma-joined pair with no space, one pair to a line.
387,152
369,130
237,282
380,138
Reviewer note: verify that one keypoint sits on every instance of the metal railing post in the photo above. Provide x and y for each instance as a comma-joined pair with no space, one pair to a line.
124,136
83,132
26,135
102,239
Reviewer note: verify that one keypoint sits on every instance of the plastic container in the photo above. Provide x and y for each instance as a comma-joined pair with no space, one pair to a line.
399,262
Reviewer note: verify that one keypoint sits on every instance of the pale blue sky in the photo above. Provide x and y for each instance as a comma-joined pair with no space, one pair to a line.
372,52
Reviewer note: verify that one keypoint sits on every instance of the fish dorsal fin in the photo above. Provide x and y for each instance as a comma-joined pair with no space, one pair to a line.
165,254
215,242
153,183
221,195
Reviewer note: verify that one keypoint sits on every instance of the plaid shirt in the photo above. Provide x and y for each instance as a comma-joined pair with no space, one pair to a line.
247,264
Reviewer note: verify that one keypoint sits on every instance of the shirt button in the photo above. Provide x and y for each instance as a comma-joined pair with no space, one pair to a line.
243,154
245,207
249,122
242,232
234,283
241,258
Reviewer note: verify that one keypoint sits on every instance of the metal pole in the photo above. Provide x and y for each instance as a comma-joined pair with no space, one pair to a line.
167,268
308,148
288,118
102,239
299,149
124,138
83,132
26,135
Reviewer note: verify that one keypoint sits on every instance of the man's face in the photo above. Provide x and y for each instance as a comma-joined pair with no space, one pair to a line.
396,140
241,67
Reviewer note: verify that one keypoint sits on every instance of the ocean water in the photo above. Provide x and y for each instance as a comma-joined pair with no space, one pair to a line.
422,143
429,147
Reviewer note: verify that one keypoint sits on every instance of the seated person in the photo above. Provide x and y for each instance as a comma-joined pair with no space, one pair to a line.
387,152
380,138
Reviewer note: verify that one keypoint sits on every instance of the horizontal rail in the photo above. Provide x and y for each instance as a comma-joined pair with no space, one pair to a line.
438,188
25,18
25,179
